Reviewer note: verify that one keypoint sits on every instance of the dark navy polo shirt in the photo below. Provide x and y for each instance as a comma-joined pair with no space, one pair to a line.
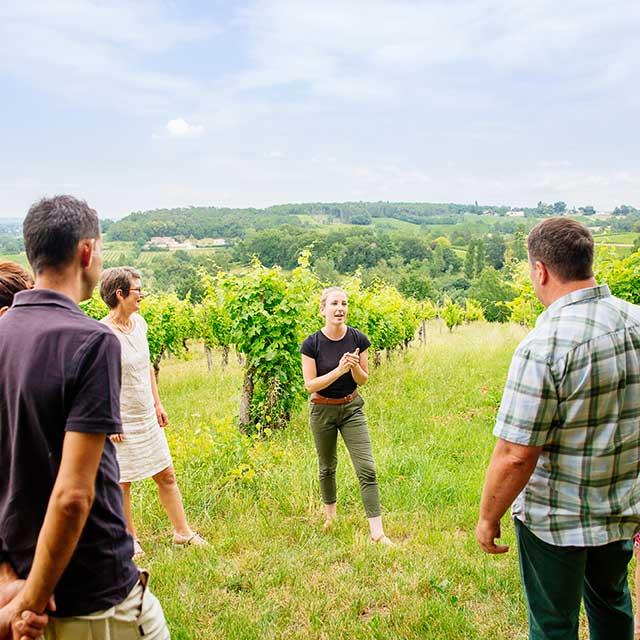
60,371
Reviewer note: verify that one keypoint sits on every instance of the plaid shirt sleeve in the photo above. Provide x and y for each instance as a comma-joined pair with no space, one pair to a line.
529,402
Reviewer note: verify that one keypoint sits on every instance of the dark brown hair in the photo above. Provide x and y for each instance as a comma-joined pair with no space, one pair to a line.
564,246
13,278
53,227
114,279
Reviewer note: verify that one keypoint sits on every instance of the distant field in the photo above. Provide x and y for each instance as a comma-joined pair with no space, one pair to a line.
119,245
145,258
617,251
316,219
617,238
115,256
20,258
391,224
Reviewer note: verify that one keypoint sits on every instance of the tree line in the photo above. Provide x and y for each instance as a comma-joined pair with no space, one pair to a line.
264,313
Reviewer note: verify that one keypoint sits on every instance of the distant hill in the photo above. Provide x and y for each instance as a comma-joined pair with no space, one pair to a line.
10,225
206,222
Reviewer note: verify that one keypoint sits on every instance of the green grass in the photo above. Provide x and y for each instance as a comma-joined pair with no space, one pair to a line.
314,219
617,238
393,224
120,246
272,573
20,258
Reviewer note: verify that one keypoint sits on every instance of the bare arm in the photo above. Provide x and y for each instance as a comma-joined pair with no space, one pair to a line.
161,414
30,625
509,471
313,382
69,506
7,574
360,369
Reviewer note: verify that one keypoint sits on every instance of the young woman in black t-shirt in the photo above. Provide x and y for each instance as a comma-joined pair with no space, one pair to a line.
334,364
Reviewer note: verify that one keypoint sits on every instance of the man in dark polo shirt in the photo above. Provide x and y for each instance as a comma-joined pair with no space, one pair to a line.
62,526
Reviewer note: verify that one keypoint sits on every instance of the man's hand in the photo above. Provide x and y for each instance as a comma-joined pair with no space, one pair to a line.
16,624
9,591
116,437
486,535
161,414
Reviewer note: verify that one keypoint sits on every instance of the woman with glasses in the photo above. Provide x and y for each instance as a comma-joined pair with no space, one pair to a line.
142,448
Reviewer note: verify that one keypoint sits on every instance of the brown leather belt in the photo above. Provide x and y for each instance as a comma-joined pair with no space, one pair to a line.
316,398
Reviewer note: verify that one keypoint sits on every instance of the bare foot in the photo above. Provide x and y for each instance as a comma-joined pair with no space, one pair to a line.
328,524
195,539
383,540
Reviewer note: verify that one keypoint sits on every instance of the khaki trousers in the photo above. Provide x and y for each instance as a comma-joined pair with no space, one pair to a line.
139,615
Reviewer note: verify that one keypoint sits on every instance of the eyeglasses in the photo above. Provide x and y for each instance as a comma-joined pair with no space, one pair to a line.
138,289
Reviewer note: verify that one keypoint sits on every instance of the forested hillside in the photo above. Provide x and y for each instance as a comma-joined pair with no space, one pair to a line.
202,222
428,252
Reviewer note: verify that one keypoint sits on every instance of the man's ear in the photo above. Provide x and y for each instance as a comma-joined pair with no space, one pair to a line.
543,272
3,310
86,248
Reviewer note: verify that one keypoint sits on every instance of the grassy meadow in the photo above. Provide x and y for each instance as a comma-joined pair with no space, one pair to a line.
272,572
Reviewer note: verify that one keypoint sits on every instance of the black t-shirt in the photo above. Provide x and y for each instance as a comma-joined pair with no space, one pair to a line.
327,354
60,371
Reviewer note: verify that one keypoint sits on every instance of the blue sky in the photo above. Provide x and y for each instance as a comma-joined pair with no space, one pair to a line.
137,105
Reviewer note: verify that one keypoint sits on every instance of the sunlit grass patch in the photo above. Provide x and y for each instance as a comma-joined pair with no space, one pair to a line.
272,572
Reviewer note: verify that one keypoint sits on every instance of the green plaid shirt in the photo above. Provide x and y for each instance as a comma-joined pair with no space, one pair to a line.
574,389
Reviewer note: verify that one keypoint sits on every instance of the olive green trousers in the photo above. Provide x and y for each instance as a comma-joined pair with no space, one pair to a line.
350,421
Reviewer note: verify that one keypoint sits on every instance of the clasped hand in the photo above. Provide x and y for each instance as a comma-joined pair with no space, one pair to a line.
349,360
15,622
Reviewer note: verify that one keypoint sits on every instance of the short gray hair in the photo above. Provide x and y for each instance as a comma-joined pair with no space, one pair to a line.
116,279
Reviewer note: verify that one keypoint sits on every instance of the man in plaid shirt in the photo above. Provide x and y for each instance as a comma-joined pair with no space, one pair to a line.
568,447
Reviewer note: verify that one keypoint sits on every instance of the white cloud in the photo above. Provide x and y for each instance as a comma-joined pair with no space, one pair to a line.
560,181
180,128
496,100
98,53
357,49
555,164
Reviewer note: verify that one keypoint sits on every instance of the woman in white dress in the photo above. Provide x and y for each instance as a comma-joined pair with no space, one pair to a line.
142,449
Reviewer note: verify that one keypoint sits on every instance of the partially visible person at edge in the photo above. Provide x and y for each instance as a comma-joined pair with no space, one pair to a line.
62,526
569,445
141,448
334,364
636,553
13,278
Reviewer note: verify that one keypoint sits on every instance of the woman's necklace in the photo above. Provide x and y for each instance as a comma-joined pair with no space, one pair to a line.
123,328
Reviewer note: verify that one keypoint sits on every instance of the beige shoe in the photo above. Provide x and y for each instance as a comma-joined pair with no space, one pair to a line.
194,540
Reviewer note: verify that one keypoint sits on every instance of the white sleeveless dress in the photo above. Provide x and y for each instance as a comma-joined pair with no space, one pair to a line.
144,450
